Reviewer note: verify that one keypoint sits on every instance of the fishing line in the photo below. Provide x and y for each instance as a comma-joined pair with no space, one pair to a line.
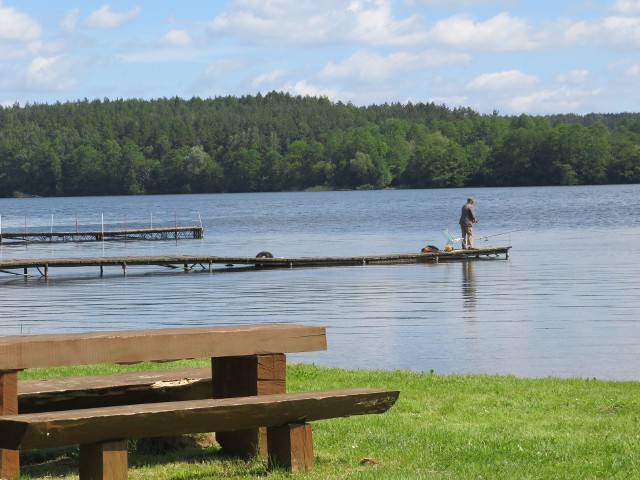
484,238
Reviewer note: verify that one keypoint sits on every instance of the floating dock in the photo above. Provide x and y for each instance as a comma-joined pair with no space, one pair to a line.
206,263
169,233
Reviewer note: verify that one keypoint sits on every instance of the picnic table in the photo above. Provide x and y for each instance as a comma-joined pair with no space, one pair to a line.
242,397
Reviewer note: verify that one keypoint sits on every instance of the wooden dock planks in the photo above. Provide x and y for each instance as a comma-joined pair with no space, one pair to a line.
205,262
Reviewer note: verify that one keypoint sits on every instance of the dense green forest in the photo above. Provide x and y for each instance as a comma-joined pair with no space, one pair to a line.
278,142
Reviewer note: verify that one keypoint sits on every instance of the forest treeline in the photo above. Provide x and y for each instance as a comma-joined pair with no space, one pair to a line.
279,142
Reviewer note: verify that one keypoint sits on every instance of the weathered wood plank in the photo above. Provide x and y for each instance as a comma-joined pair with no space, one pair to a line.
66,393
52,429
263,261
103,261
20,352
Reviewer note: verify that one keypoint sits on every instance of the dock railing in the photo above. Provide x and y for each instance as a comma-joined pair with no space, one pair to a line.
100,226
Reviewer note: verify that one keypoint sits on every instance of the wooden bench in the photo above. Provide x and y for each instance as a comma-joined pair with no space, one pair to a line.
246,385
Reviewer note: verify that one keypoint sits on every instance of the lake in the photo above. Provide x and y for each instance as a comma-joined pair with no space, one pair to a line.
565,303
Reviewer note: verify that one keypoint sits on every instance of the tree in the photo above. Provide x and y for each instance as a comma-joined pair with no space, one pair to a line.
437,162
131,163
279,141
202,173
395,134
580,155
520,158
242,170
625,166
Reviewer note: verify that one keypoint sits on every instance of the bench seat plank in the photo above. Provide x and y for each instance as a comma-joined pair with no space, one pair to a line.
91,391
94,425
53,350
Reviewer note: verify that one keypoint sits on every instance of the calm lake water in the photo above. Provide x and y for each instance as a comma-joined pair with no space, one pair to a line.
565,303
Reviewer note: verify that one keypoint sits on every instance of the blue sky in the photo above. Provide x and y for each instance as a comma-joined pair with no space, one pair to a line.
534,57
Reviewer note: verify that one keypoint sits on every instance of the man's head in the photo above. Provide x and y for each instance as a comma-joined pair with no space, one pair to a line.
470,200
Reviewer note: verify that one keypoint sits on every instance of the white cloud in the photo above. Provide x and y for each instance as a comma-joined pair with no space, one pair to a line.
372,67
501,81
267,78
500,33
305,89
373,22
554,100
177,38
14,53
17,26
632,71
505,32
70,19
277,21
627,7
453,101
574,32
616,31
51,73
161,55
344,92
220,68
455,4
306,22
104,18
574,76
619,31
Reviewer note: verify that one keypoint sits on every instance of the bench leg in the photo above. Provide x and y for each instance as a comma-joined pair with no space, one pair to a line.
291,447
9,464
104,461
9,459
247,376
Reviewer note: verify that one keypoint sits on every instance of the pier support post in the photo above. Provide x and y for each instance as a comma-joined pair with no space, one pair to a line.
124,268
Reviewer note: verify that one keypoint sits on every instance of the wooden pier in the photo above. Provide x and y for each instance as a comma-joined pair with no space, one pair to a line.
169,233
206,263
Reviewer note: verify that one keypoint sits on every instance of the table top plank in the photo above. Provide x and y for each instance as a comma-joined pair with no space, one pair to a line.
31,351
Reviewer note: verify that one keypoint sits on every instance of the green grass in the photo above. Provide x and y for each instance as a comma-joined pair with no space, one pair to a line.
443,427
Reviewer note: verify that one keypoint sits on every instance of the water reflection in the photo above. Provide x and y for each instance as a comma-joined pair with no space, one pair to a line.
469,288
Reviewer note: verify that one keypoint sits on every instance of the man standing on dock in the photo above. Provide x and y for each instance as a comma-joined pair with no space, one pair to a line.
467,219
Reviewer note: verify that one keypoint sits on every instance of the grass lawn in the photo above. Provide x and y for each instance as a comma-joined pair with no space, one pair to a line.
443,427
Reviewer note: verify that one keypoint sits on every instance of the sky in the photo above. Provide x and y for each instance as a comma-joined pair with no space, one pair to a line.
534,57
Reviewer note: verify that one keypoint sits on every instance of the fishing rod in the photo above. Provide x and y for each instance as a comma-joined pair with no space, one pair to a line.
502,233
451,240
